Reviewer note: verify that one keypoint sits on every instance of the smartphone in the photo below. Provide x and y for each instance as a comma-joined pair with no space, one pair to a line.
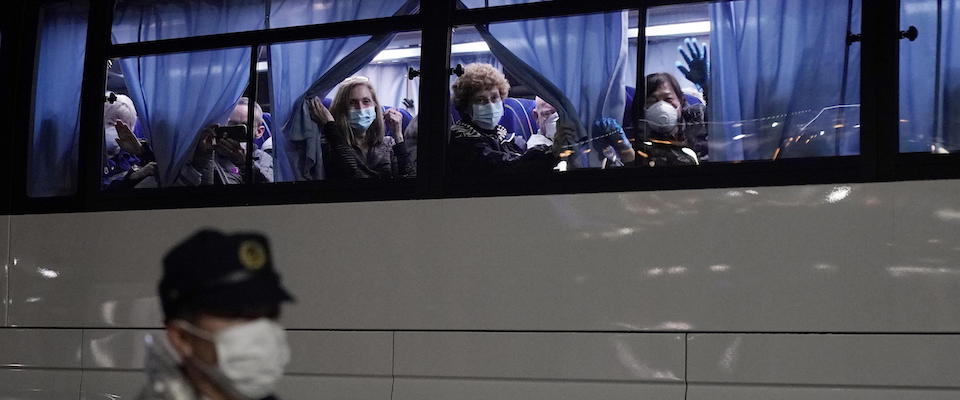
235,132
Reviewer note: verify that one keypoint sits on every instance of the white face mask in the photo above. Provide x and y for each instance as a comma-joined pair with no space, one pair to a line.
549,128
110,141
487,116
362,119
661,116
251,355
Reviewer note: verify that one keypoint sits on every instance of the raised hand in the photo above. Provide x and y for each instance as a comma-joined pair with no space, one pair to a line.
127,141
394,120
318,112
697,65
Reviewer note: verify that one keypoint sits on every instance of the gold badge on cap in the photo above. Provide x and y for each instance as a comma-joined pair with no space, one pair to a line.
252,255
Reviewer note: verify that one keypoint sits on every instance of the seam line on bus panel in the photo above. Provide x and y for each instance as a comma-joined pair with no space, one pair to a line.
686,365
6,276
548,380
860,333
393,362
829,386
82,370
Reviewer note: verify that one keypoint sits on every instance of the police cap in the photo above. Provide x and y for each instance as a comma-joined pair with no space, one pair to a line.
214,271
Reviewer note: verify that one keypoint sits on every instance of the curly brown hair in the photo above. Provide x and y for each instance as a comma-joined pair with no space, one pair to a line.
477,77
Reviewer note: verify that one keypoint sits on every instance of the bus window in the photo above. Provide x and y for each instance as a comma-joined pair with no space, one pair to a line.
338,118
495,3
930,77
172,120
147,20
734,81
525,102
53,147
287,13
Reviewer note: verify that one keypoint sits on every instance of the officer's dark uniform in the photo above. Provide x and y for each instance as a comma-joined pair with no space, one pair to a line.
220,274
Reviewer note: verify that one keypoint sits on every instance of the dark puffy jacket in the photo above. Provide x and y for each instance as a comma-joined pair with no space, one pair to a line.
341,160
475,151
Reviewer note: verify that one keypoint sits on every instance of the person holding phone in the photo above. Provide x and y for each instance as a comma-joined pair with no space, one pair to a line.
220,155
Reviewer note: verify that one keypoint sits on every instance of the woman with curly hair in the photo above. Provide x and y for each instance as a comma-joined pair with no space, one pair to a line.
479,144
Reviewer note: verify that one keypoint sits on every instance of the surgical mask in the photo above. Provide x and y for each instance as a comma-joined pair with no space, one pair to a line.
487,116
661,116
362,118
110,141
251,356
549,128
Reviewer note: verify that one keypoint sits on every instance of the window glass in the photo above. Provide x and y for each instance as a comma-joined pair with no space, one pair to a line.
146,20
344,108
285,13
736,81
552,111
495,3
174,120
53,147
930,77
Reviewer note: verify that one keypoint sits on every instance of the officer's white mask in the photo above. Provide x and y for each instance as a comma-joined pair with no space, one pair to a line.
549,128
251,356
111,148
661,117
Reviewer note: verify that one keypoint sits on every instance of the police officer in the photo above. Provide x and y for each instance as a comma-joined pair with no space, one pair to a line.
221,300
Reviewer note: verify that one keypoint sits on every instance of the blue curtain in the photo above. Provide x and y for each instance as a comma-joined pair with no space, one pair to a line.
301,69
782,70
177,95
143,20
56,110
930,77
548,55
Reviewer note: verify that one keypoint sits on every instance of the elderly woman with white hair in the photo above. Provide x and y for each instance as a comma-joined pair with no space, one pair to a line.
127,160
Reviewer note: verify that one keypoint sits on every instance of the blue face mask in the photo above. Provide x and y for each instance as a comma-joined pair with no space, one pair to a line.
362,118
487,116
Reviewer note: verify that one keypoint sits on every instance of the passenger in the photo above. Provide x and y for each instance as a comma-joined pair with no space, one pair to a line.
479,144
221,298
354,127
220,161
675,129
547,118
128,161
262,160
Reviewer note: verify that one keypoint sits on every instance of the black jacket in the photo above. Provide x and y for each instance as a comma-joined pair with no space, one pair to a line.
475,151
386,160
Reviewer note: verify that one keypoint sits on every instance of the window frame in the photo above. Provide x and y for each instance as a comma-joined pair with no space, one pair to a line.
879,158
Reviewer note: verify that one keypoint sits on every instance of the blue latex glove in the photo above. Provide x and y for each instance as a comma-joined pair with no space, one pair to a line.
697,66
610,133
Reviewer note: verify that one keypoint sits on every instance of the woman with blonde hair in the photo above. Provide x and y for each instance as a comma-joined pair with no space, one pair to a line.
479,145
354,127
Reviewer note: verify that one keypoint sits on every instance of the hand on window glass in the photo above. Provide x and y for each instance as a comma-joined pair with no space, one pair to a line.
318,112
697,66
394,120
609,133
127,141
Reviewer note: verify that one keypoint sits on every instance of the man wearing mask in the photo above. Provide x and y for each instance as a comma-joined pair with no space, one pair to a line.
221,300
